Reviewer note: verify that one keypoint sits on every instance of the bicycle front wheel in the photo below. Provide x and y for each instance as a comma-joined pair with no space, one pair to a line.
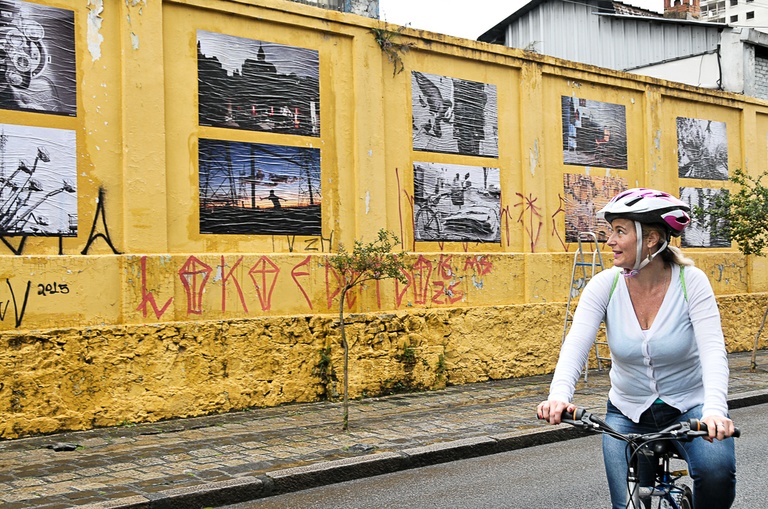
686,500
427,225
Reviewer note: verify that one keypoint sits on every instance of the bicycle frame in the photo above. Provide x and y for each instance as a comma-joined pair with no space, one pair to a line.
664,489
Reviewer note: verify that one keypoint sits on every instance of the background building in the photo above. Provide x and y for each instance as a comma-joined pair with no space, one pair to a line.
682,44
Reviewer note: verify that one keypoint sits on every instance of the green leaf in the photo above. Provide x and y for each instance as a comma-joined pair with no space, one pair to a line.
742,215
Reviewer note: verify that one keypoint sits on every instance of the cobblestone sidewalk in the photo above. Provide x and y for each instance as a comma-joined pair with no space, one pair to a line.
223,459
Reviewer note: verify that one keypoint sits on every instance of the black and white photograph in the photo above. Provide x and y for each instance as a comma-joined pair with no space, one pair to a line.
38,181
454,116
259,189
708,231
702,149
456,203
37,58
257,85
584,195
594,133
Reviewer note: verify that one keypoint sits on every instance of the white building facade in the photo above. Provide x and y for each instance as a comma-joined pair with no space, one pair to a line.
676,46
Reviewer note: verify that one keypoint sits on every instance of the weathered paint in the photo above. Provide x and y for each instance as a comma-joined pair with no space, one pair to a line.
79,378
94,37
140,317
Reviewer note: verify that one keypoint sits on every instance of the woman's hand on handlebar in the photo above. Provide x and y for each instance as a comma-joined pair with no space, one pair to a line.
718,426
551,410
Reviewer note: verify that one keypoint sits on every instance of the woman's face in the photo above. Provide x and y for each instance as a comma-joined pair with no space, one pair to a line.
623,243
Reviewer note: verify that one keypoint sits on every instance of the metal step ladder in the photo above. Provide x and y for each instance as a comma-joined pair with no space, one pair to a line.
586,263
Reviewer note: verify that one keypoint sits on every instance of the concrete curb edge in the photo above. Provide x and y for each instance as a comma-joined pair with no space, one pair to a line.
280,482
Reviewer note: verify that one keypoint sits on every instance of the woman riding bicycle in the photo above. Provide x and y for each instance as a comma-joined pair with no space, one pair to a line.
668,358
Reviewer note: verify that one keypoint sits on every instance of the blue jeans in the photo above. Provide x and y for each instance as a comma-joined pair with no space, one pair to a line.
712,466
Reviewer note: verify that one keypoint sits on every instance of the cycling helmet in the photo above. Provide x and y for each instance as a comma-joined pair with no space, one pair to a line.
647,206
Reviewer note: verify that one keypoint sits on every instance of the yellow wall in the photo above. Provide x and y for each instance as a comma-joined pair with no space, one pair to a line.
141,317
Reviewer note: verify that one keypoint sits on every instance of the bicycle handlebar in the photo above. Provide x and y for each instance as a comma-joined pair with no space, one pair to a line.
575,416
581,418
697,425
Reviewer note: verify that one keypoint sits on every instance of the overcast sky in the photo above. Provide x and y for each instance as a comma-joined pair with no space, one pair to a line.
463,18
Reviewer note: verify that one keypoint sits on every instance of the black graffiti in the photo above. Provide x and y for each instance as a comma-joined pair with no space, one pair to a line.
311,244
18,313
15,250
52,288
92,236
99,213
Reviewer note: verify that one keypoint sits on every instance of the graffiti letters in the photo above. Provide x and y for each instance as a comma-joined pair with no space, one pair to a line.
437,283
225,278
428,282
99,216
194,276
422,274
311,244
52,288
148,297
302,270
264,276
481,265
445,290
332,289
18,312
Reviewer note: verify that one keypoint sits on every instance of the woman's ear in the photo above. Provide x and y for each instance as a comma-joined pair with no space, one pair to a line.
654,238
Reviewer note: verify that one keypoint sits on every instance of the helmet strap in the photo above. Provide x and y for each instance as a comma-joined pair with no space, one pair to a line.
640,263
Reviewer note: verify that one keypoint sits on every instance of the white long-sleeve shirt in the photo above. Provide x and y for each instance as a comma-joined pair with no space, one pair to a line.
681,359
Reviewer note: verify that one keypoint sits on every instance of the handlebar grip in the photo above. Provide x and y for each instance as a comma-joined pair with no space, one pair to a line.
697,425
575,416
566,415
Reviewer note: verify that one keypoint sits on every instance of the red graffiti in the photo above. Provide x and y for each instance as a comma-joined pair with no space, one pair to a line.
331,295
225,278
528,204
194,276
296,273
400,208
441,290
444,268
422,273
446,273
400,293
506,217
148,297
339,281
264,276
481,265
555,231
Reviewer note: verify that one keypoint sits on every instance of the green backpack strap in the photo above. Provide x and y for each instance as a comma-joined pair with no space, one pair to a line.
682,282
613,286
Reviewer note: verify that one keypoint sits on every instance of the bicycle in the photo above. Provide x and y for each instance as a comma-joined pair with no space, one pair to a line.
428,218
658,450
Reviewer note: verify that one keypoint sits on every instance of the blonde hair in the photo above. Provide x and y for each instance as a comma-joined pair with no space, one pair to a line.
671,254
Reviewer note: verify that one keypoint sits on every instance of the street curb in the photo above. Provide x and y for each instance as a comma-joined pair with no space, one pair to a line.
289,480
748,399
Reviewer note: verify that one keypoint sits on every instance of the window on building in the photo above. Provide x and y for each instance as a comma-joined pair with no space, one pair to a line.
734,2
750,1
751,15
734,18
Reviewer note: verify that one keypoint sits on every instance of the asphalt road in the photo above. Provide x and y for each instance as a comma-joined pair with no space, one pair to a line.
563,474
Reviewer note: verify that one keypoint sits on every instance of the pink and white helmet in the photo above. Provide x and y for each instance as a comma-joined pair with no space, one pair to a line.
648,206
